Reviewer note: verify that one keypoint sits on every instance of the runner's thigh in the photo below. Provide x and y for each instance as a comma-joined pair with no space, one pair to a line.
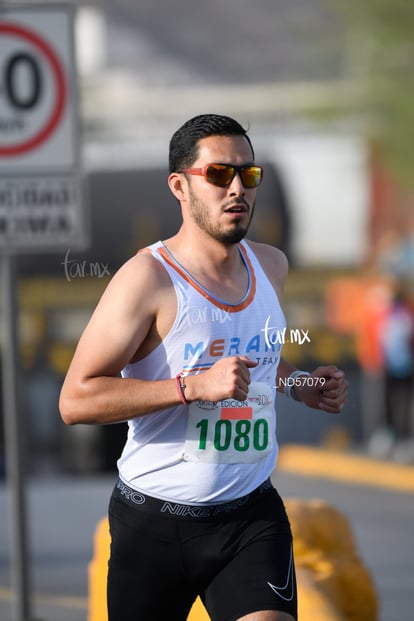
145,581
261,576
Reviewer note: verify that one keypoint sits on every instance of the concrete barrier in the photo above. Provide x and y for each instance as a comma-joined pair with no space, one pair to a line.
97,573
333,583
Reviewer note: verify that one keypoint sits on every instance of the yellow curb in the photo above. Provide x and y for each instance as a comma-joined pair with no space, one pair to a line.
59,601
63,601
315,462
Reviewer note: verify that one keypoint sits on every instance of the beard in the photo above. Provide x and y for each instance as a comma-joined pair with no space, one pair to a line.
201,216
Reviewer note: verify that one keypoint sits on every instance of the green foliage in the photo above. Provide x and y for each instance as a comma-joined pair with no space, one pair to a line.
381,39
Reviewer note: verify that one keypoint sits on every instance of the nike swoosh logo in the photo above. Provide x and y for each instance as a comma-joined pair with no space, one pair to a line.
287,591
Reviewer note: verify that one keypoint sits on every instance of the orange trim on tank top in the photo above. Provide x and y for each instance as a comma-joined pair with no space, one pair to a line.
229,308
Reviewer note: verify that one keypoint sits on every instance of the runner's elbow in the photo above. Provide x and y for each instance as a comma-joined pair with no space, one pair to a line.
67,411
70,407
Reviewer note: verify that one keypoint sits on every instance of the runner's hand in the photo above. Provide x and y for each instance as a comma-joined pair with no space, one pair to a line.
228,378
324,389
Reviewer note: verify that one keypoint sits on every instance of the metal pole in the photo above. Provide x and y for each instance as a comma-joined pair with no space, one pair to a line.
14,443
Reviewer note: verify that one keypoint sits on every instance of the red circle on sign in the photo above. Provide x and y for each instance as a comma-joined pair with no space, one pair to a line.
47,129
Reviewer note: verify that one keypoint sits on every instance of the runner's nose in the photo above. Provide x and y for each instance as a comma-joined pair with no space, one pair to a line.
236,186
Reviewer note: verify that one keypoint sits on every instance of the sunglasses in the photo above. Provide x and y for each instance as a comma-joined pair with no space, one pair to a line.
223,174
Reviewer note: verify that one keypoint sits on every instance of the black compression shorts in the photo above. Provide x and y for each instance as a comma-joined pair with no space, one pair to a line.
236,556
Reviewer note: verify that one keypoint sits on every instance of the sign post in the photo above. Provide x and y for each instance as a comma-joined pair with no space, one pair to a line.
13,441
41,207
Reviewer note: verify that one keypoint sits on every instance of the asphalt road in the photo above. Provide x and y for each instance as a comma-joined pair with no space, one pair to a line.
64,511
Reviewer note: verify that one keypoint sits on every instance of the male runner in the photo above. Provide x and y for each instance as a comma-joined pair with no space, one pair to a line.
190,324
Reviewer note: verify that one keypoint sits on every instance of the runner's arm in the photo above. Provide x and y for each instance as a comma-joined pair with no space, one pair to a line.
93,391
128,320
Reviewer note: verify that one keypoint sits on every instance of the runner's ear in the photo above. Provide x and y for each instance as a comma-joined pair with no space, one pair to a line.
178,185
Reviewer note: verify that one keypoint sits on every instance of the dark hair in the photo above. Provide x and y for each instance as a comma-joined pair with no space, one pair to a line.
184,142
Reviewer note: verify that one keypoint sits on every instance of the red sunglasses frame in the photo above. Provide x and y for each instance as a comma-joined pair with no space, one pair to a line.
237,170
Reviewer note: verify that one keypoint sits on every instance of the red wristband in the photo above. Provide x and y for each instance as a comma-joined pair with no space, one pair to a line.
179,382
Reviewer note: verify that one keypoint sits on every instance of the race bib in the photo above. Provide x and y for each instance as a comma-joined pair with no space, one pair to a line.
230,431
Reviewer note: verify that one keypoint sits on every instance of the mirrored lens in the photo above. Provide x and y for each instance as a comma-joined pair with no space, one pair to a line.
220,174
251,176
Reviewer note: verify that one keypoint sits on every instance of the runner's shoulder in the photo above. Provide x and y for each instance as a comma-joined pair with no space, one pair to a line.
142,271
272,259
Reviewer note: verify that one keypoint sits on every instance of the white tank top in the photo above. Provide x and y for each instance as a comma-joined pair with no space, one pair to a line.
209,452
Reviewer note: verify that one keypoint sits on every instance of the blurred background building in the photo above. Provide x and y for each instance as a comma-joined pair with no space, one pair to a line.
297,73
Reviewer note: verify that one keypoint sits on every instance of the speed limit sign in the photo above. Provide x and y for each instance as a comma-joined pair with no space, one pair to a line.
40,193
38,123
28,119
